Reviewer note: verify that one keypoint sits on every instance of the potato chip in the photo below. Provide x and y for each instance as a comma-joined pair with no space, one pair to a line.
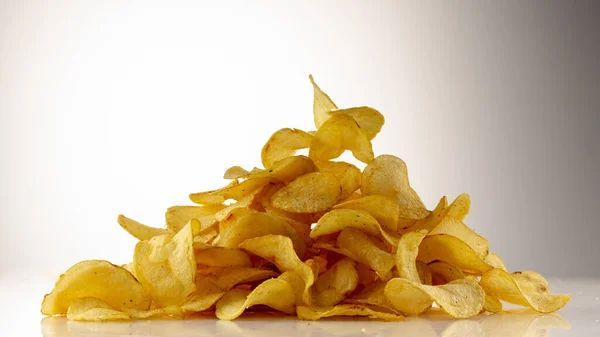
93,309
205,296
459,207
425,275
528,289
406,255
165,265
138,230
89,279
322,104
235,172
201,239
223,257
260,224
459,298
316,313
348,175
336,220
495,261
365,251
382,208
279,250
336,283
387,175
338,134
373,295
248,203
443,272
275,293
309,193
227,278
427,223
297,283
492,304
458,229
179,216
232,191
449,249
368,119
282,144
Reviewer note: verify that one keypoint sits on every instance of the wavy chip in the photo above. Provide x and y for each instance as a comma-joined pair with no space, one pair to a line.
178,216
93,309
322,104
223,257
443,272
368,119
348,175
316,313
336,283
458,229
138,230
282,144
310,193
232,191
362,247
382,208
338,134
449,249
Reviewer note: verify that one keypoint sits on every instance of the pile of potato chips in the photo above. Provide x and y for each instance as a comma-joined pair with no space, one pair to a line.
305,236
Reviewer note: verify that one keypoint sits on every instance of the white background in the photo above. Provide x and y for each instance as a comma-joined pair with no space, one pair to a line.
111,107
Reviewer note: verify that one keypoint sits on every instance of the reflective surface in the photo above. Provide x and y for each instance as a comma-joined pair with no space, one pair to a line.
21,298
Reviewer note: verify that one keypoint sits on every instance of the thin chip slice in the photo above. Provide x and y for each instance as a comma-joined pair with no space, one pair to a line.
373,294
310,193
166,267
282,144
406,255
223,257
348,175
235,191
425,275
171,311
492,304
338,134
459,298
458,229
93,309
459,207
138,230
235,172
338,219
227,278
297,284
322,104
179,216
528,289
369,119
387,175
362,247
316,313
443,272
336,283
382,208
206,295
427,223
275,293
449,249
279,250
89,279
495,261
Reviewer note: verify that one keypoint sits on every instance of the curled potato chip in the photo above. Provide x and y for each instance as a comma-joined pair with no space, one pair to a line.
138,230
260,224
368,119
373,294
179,216
235,172
365,251
282,144
443,272
275,293
338,134
248,202
205,296
459,298
459,208
387,175
279,250
458,229
227,278
406,255
165,265
492,304
425,275
309,193
315,313
528,289
322,104
447,248
382,208
336,220
223,257
289,168
348,175
333,285
232,191
297,283
89,279
202,239
427,223
495,261
93,309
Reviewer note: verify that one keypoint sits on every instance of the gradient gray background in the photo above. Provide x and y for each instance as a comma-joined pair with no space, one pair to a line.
124,107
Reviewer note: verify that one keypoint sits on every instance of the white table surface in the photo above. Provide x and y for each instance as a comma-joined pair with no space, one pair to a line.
21,294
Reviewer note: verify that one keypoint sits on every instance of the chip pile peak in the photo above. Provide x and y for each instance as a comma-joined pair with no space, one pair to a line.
305,236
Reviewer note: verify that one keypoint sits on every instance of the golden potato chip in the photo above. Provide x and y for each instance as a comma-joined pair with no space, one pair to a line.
449,249
232,191
204,297
235,172
336,283
427,223
425,275
368,119
282,144
406,255
202,239
387,175
248,202
223,257
260,224
279,250
373,294
138,230
492,304
382,208
179,216
528,289
495,261
275,293
227,278
165,265
89,279
338,134
336,220
289,168
322,104
315,313
234,215
459,298
443,272
366,275
309,193
93,309
297,284
458,229
365,251
459,207
348,175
